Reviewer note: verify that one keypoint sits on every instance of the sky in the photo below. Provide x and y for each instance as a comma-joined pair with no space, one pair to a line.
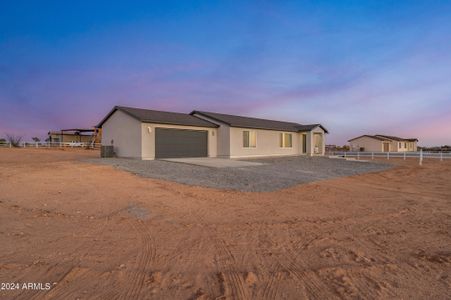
357,67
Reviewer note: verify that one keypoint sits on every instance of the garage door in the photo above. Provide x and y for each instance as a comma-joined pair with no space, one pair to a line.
171,143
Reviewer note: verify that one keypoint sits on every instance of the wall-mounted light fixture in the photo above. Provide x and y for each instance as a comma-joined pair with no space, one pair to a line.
149,129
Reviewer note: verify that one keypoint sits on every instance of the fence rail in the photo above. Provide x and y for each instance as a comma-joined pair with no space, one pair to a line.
52,145
420,155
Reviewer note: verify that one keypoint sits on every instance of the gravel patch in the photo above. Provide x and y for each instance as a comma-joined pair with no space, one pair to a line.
276,173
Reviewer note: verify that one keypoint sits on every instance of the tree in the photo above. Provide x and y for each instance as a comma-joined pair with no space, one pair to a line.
13,140
2,141
36,139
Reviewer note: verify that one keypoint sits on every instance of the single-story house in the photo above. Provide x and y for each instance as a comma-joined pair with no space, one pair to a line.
383,143
149,134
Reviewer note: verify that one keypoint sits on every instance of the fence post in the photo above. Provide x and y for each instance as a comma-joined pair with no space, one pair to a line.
10,145
441,156
388,155
404,155
421,157
358,155
372,155
345,154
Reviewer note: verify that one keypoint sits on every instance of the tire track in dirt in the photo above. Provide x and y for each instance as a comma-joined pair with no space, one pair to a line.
230,279
145,259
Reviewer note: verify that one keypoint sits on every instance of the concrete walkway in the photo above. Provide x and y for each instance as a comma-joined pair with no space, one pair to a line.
213,162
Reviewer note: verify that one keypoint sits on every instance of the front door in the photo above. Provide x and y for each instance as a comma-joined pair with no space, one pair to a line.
304,143
386,147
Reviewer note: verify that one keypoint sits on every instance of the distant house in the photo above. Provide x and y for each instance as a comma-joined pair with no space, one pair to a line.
149,134
81,135
383,143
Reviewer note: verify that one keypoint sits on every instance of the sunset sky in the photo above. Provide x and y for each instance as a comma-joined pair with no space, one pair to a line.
357,67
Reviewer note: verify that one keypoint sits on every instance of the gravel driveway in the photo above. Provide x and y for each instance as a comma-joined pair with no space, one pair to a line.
276,173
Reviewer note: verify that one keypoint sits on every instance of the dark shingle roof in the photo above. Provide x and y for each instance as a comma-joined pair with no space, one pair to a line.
248,122
395,138
162,117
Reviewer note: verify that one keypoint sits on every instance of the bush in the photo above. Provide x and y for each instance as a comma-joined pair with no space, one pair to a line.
14,140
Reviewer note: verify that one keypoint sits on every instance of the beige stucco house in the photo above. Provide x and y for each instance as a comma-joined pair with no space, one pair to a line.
150,134
383,143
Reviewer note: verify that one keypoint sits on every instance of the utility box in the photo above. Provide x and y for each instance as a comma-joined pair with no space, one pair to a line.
106,151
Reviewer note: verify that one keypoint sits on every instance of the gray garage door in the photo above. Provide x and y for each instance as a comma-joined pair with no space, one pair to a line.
171,143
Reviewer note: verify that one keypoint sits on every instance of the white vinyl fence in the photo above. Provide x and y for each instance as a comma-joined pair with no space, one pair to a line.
420,155
53,145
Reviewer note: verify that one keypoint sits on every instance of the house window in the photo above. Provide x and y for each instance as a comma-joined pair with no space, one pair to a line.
399,144
405,145
285,140
249,139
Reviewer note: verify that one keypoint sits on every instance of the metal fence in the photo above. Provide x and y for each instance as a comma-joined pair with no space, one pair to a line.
420,155
52,145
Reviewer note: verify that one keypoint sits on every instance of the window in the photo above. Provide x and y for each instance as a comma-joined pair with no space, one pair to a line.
286,140
399,144
249,139
405,145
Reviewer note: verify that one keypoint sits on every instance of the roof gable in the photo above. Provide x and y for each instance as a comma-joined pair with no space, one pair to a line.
162,117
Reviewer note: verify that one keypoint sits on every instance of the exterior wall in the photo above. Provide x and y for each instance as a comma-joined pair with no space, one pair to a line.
125,132
267,144
406,146
147,132
369,144
223,137
311,141
373,145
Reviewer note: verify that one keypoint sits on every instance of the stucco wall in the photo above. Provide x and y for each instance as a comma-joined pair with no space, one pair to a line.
148,138
223,137
267,143
370,145
405,146
125,132
311,141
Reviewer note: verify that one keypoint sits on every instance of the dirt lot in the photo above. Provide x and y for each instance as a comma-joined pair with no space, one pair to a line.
93,231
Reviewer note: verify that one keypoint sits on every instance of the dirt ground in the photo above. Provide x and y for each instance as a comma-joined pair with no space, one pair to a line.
92,231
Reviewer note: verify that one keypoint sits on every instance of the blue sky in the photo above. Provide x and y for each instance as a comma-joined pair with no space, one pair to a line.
358,67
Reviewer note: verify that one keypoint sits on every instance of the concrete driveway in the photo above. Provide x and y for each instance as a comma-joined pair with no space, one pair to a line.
214,162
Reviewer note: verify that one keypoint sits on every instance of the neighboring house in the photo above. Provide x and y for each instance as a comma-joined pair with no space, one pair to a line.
150,134
383,143
75,135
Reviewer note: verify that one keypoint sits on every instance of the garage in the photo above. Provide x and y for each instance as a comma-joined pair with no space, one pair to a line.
173,143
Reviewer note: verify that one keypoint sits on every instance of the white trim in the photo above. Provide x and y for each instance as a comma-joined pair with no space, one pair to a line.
264,155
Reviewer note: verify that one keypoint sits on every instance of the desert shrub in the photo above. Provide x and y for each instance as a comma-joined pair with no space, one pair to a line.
14,140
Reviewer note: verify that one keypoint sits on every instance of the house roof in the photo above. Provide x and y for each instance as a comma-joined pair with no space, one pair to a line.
162,117
395,138
381,137
248,122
